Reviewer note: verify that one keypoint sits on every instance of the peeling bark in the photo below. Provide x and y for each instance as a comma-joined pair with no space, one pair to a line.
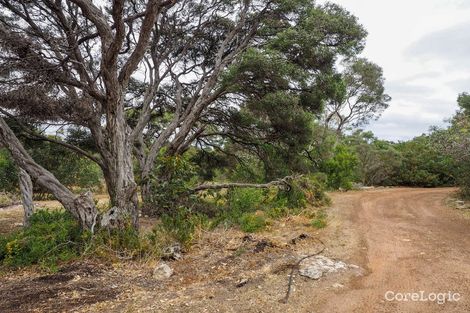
82,207
26,187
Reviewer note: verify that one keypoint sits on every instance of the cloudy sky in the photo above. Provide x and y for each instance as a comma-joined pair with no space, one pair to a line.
424,48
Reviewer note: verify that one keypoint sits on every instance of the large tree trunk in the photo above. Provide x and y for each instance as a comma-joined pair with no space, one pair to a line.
82,207
119,169
26,188
122,191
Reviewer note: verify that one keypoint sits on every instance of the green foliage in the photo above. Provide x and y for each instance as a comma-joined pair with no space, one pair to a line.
453,144
286,82
424,165
340,169
320,33
117,244
463,180
464,102
276,212
251,223
182,224
378,160
172,178
234,203
70,168
319,220
251,170
8,172
245,199
307,190
210,164
53,237
249,206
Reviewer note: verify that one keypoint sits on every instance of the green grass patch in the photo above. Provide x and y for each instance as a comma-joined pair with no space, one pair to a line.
319,220
251,223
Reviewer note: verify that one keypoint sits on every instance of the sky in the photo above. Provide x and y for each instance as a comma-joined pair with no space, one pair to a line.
423,47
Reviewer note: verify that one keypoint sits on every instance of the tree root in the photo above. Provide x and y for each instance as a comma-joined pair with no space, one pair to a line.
296,267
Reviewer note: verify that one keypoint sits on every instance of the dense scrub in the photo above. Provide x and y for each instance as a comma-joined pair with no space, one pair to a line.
54,237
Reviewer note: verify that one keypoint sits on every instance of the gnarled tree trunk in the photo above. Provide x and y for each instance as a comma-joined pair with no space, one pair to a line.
26,188
82,207
122,191
119,169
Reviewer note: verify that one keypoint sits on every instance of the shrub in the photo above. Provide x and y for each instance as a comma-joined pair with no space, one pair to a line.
341,168
278,212
241,203
318,223
304,190
245,199
53,236
182,224
319,220
169,186
119,244
250,222
8,172
463,180
7,199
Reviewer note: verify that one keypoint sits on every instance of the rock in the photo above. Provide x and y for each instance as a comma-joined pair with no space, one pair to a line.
315,267
298,238
241,283
162,271
173,252
338,285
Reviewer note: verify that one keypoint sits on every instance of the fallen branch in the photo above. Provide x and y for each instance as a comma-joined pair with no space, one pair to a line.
296,267
284,182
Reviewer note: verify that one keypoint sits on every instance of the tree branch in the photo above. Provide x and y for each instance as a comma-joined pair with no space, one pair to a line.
59,142
282,183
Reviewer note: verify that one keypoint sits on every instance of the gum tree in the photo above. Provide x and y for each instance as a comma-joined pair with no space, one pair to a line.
144,78
358,96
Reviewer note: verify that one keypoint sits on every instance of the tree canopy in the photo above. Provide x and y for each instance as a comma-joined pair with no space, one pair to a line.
142,79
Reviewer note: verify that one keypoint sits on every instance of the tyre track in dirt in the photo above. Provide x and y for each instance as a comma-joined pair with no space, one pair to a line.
413,242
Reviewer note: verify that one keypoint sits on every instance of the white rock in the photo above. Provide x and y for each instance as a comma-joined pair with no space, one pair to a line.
162,271
315,267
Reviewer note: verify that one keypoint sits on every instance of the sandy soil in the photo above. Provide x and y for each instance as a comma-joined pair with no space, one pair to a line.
404,240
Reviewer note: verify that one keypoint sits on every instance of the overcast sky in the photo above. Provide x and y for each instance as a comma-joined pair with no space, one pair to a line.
424,48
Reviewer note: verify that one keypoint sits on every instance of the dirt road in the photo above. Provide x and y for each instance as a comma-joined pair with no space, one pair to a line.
405,241
410,242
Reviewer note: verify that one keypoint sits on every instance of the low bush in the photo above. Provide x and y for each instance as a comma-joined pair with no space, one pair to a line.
53,236
7,199
341,168
182,225
241,204
169,186
463,181
319,219
252,222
